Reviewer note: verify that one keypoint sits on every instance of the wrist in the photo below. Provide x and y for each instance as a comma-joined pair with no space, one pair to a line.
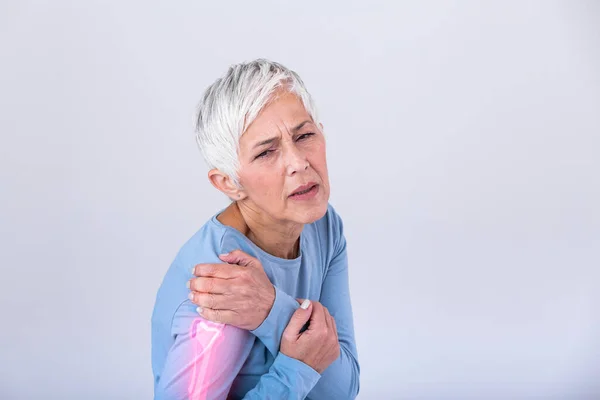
267,301
271,299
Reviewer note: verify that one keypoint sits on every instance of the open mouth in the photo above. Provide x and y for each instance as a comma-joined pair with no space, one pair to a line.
308,191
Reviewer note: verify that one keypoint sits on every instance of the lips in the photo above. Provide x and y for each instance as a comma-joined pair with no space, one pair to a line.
303,189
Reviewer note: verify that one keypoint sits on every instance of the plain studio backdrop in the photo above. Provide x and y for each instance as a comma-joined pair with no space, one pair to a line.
464,155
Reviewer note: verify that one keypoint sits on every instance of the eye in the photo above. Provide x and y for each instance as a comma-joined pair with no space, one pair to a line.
263,154
305,136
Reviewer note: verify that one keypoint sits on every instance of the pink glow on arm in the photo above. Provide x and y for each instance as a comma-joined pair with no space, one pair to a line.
205,336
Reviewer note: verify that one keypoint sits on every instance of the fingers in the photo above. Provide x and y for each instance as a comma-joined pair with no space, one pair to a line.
327,318
210,300
208,285
317,319
297,321
240,258
330,319
218,316
223,271
334,326
322,320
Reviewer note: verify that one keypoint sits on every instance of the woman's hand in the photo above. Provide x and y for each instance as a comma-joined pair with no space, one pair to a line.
318,345
240,295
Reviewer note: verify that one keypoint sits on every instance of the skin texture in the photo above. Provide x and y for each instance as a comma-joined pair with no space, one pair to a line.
268,174
280,151
318,346
237,292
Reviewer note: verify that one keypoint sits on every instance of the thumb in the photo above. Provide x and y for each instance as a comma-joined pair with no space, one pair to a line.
299,318
239,257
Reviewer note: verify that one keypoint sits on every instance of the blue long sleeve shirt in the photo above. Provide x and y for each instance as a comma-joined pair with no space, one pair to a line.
195,359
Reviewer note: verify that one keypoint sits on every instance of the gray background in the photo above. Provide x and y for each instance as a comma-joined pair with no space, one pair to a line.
463,143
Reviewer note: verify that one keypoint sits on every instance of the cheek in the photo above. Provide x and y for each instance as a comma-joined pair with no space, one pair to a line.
318,158
262,183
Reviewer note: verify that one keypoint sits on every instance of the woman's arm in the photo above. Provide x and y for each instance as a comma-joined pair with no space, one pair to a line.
288,378
203,360
206,357
341,380
271,329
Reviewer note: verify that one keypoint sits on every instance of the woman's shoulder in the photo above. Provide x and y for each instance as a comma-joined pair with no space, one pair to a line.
333,218
331,223
204,245
330,231
214,238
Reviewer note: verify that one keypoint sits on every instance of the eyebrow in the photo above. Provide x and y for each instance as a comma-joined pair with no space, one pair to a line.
273,139
300,125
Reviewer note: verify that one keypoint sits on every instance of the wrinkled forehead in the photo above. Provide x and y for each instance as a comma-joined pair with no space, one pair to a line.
283,114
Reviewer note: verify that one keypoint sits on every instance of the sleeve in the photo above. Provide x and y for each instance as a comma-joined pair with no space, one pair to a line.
206,357
271,329
287,378
203,360
341,380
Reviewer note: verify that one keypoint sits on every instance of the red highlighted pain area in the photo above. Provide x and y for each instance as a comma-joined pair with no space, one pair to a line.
206,337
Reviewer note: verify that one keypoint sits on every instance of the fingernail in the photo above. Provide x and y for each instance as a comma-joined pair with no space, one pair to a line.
305,304
187,284
223,255
193,270
191,296
199,310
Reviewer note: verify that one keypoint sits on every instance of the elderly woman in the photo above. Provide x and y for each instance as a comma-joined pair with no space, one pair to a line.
256,304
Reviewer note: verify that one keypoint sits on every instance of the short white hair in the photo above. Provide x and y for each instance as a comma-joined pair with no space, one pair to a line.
232,103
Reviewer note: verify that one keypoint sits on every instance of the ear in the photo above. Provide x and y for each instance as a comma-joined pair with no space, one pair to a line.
321,126
225,184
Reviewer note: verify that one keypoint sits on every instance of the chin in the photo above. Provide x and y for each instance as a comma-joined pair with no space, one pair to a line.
314,213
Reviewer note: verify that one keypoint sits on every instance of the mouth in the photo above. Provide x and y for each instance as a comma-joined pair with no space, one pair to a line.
306,191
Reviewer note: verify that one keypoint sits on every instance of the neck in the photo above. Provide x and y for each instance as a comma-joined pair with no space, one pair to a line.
276,238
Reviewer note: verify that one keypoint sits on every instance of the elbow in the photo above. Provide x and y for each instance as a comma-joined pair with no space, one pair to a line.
352,390
354,387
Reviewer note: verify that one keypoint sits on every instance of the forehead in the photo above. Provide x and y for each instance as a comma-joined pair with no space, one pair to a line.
286,110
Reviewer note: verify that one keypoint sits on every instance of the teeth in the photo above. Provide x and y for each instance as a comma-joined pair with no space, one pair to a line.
304,191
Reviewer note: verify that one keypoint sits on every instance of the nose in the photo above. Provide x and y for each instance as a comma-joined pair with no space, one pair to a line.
295,161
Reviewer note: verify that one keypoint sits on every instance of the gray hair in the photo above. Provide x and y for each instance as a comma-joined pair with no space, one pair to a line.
232,103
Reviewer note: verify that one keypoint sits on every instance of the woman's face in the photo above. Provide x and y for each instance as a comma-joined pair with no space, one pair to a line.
283,151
